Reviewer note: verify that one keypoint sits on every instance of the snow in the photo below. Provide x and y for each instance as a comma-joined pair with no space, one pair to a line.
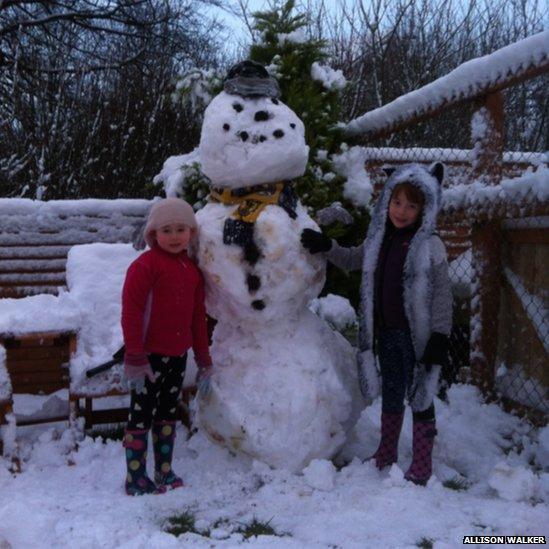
296,37
66,497
336,310
320,474
466,81
358,187
95,275
530,185
248,151
175,171
512,483
284,387
331,79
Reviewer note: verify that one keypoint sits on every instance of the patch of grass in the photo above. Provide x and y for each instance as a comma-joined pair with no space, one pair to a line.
181,524
458,484
258,528
425,543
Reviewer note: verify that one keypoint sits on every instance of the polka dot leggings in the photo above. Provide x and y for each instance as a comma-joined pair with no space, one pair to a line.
158,400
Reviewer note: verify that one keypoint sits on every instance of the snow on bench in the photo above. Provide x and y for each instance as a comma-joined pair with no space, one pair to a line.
35,237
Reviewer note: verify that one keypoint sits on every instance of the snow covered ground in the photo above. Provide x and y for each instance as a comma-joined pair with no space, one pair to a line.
65,497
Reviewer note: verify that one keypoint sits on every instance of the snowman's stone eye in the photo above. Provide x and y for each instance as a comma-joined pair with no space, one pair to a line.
243,135
261,116
278,134
262,138
292,125
258,305
238,107
275,101
226,127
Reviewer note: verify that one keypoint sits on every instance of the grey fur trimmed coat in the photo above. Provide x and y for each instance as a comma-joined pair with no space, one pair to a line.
427,289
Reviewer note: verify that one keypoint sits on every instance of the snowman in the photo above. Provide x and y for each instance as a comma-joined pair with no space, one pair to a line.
284,387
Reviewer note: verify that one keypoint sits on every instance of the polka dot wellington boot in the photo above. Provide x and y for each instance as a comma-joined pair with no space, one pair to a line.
137,481
163,441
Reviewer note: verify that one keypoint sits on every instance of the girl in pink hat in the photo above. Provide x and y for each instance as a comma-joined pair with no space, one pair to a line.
163,315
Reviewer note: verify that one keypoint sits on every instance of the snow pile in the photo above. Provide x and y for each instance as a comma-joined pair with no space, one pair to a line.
512,483
39,313
331,79
54,504
467,80
320,474
95,276
334,309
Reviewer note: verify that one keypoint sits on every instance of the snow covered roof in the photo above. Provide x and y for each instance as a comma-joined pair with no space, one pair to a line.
492,72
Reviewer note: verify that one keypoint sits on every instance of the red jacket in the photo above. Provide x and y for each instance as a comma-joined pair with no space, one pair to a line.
163,306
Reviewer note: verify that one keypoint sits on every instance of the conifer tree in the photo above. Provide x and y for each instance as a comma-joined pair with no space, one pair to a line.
292,57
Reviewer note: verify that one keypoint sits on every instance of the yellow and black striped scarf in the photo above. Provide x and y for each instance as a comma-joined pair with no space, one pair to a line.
251,200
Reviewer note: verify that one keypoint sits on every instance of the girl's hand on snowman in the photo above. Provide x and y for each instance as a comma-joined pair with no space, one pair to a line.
315,241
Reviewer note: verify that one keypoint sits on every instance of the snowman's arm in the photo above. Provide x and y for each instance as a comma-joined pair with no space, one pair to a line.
200,327
349,259
135,294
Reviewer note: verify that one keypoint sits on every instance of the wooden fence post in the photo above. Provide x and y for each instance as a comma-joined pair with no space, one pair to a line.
487,132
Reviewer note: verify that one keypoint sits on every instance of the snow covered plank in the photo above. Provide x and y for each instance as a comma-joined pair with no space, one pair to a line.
505,67
35,238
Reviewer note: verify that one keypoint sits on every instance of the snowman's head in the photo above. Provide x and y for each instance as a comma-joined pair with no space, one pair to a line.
249,136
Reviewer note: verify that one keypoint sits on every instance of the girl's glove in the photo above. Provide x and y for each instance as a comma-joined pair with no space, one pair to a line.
136,369
315,241
203,380
436,351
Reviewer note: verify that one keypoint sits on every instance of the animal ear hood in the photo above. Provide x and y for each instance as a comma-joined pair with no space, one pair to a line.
437,171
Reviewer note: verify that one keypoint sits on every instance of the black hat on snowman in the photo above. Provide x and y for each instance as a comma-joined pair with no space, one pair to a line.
250,79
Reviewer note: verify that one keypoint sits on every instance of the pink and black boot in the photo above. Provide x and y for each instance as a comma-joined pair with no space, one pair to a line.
137,481
163,442
387,451
423,441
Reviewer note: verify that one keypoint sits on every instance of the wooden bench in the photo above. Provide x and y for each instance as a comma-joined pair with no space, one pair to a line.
37,364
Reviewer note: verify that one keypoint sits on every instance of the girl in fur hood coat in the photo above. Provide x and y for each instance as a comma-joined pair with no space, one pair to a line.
406,308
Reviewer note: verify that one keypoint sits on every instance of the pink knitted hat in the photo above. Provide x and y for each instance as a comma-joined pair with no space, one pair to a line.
168,210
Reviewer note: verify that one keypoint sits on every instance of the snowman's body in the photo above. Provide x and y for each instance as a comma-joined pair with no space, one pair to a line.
284,386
